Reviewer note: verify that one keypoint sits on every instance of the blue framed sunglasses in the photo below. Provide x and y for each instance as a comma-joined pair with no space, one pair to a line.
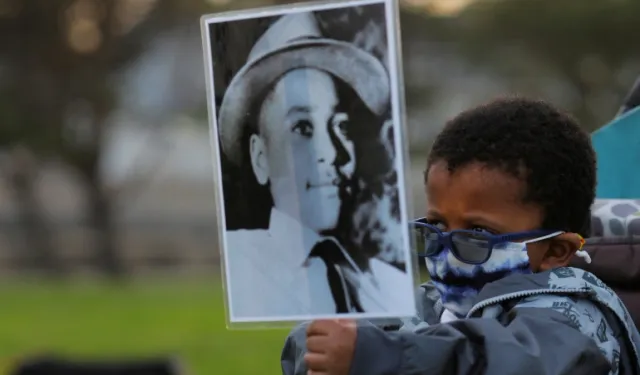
469,246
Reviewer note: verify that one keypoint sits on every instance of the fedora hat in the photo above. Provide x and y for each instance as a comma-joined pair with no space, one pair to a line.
294,42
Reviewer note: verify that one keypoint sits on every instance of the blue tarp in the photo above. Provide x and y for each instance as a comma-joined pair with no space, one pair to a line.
617,147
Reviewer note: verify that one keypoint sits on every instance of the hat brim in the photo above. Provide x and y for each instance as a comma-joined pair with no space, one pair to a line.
356,67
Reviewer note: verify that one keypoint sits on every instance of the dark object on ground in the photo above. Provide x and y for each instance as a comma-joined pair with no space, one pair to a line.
57,366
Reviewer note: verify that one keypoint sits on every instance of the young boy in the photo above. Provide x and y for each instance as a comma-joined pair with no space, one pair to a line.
509,187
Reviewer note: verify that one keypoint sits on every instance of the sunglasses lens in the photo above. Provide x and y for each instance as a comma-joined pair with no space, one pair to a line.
426,240
471,247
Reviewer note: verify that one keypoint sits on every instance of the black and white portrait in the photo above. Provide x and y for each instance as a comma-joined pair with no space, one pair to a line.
306,131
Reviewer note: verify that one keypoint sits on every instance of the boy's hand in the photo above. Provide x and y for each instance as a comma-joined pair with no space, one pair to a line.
330,346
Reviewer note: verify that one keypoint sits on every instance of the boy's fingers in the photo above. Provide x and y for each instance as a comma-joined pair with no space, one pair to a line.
347,322
320,327
316,362
317,344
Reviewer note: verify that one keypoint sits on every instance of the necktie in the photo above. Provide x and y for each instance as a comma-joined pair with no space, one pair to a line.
343,293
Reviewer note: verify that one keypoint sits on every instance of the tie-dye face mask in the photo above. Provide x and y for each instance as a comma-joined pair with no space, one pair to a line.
462,262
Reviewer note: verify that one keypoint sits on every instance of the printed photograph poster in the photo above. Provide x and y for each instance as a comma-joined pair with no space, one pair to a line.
307,138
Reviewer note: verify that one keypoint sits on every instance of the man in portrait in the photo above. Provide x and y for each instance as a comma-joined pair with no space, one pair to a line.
292,116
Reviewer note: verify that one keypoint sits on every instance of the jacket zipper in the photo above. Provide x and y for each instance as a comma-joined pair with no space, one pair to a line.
527,293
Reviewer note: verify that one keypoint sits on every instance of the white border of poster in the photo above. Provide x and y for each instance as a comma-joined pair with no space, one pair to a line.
296,261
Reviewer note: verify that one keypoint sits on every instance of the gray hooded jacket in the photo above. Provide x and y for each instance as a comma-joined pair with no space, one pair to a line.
564,321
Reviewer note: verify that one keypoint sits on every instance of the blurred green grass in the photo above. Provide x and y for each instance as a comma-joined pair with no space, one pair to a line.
84,319
89,320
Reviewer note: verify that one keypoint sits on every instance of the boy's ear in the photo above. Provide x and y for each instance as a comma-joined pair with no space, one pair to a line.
561,250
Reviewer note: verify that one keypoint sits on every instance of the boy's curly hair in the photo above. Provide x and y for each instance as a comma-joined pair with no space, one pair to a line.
535,142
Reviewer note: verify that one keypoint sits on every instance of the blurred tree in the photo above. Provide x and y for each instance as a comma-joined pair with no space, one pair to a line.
588,46
20,172
59,59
